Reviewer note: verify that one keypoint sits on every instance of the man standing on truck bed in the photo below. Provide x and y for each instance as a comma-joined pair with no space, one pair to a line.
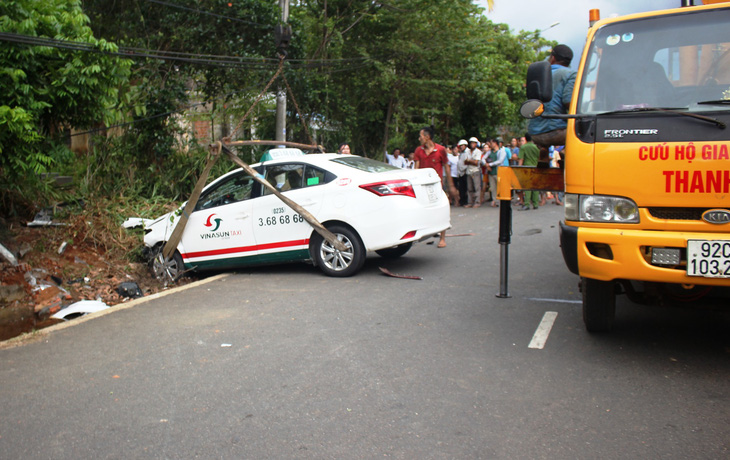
546,132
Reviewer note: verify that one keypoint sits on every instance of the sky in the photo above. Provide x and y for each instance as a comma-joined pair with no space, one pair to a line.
571,16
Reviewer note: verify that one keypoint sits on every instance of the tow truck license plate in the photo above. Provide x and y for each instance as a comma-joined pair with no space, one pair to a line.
708,258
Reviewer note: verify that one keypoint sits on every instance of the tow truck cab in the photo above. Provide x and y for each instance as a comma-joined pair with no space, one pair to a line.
647,159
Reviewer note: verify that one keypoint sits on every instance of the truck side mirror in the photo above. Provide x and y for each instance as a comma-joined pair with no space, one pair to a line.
540,81
531,108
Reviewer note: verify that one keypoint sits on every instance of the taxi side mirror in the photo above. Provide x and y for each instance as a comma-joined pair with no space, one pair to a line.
540,81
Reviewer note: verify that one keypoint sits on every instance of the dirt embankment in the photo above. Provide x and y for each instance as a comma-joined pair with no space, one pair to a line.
51,275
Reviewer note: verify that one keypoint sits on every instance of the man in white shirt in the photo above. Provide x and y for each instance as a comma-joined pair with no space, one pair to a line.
453,153
461,169
397,160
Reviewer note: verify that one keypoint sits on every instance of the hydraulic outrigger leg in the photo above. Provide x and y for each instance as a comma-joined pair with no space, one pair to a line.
518,178
505,236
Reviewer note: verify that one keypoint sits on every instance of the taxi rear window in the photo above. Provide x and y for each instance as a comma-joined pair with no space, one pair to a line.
364,164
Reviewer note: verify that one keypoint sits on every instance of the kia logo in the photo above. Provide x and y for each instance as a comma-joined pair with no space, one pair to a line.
716,216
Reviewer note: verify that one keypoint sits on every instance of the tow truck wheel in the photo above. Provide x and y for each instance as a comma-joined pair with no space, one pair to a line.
599,304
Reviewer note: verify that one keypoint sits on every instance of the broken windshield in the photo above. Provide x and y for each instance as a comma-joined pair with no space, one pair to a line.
677,60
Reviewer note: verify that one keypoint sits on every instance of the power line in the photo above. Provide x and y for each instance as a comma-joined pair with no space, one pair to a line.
221,61
192,58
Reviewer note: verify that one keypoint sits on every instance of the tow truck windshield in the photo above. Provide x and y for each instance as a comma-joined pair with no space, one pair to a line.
679,61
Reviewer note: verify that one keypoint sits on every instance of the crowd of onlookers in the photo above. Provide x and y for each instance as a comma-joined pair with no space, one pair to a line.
474,165
469,168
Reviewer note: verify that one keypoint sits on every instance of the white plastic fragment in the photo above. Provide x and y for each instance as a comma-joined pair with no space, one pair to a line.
80,308
134,222
9,256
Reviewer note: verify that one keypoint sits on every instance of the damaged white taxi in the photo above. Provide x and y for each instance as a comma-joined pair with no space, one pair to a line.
368,205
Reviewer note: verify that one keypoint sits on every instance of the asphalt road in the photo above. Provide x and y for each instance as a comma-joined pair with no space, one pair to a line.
283,362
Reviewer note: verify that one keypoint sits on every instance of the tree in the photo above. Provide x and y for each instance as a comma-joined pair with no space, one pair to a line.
235,28
46,89
414,63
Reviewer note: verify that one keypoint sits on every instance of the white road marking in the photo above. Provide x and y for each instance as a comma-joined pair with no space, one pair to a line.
537,299
543,330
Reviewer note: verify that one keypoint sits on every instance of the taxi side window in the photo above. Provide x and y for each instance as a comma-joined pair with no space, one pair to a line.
314,176
232,190
285,177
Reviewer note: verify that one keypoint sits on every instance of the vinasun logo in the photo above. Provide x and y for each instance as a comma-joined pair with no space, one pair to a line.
217,221
213,233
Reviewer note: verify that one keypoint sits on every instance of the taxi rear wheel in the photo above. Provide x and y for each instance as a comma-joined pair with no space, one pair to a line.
395,251
599,304
334,262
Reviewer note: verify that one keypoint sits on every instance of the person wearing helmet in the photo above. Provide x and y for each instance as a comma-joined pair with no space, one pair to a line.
461,177
473,173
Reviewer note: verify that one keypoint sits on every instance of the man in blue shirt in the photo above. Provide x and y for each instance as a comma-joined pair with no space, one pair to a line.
546,132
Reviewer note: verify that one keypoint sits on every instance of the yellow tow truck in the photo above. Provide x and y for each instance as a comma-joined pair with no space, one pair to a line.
647,159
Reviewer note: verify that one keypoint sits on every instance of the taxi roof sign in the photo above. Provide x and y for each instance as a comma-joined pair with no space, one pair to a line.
276,154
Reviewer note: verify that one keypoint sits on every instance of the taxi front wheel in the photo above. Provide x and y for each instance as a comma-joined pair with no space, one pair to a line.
167,270
334,262
599,304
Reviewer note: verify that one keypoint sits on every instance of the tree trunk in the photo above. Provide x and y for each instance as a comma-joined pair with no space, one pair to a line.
388,117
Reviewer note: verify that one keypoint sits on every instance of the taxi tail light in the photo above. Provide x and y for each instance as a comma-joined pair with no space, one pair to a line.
410,234
391,188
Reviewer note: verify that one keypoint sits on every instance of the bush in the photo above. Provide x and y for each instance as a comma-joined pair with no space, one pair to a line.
116,168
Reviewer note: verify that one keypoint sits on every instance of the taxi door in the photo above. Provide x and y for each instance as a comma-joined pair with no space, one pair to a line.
282,235
219,232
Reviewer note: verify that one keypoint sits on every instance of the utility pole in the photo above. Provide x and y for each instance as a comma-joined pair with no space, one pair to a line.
283,35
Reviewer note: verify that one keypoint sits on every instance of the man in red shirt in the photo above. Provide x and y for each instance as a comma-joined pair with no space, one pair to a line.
432,155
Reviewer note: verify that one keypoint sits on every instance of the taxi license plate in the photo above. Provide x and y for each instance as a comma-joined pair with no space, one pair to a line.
431,192
708,258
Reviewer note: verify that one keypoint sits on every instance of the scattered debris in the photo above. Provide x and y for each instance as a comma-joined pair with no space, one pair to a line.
129,289
44,218
394,275
226,345
11,293
135,222
30,279
9,256
24,249
49,299
81,308
62,248
37,282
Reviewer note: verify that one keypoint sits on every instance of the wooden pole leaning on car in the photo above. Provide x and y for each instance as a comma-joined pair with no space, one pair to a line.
297,145
177,232
316,225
